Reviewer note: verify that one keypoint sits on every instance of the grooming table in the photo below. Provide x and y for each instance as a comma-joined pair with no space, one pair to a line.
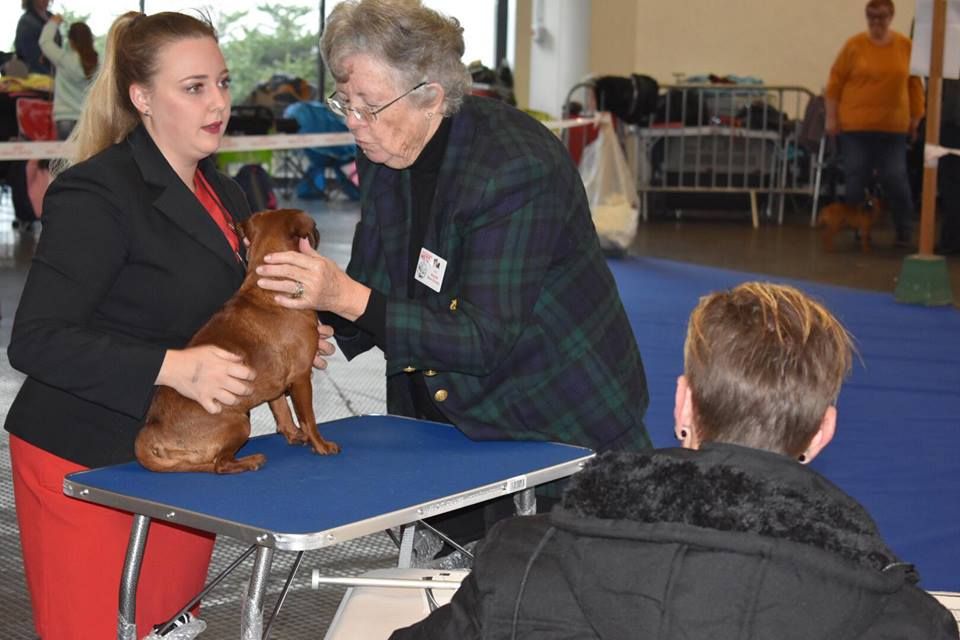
391,471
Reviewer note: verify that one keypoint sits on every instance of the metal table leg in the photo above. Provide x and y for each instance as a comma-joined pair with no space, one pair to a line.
251,624
283,595
525,502
127,618
408,531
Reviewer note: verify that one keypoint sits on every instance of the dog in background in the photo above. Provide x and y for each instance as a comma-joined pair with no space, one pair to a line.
837,216
278,343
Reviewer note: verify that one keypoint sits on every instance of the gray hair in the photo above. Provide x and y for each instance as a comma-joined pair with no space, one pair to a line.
420,44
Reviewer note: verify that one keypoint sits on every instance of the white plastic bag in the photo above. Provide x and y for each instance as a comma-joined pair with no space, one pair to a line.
613,199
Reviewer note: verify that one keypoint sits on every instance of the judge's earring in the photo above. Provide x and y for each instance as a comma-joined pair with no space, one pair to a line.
802,458
683,434
429,114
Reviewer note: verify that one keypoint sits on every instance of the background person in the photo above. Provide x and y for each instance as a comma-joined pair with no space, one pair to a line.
731,536
475,265
137,252
27,40
875,105
75,65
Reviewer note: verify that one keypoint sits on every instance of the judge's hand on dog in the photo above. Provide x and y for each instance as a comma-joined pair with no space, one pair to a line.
212,376
325,348
308,280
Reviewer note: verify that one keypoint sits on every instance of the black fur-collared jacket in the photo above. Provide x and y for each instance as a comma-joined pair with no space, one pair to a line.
723,543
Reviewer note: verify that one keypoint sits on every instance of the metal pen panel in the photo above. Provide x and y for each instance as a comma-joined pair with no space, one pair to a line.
743,139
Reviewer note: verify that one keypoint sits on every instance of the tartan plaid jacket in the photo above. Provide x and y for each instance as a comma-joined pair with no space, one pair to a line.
527,338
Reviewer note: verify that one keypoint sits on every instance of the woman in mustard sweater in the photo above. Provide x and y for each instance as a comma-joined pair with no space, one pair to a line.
874,104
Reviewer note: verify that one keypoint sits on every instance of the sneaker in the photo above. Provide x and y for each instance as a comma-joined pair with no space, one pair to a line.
426,545
186,627
456,559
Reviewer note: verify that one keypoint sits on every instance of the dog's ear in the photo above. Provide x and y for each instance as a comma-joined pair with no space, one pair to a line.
303,226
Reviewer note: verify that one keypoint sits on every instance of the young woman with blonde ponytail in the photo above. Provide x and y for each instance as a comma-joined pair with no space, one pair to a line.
138,250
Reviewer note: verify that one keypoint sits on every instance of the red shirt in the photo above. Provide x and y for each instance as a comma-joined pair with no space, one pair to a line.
217,211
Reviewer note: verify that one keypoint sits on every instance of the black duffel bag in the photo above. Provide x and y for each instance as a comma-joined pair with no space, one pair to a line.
631,99
249,120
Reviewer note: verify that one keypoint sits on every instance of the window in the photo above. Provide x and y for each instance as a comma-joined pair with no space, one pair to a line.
258,44
479,21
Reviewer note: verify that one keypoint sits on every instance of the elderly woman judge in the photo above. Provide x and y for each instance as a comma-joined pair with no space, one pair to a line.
475,265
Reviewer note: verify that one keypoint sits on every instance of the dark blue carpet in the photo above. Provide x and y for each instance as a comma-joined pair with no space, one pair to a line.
897,447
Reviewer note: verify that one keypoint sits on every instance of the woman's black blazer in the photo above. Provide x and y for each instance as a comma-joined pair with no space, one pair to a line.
129,264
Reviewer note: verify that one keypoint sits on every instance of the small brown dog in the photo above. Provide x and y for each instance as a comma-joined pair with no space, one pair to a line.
838,216
278,343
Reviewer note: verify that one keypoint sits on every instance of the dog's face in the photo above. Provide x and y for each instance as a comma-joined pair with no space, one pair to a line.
277,230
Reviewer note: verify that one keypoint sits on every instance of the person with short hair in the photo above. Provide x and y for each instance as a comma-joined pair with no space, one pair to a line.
874,106
75,65
732,535
138,251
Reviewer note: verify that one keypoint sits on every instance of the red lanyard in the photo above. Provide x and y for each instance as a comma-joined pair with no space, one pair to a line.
215,208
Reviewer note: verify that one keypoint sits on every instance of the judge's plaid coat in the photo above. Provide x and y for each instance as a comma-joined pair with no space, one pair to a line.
527,338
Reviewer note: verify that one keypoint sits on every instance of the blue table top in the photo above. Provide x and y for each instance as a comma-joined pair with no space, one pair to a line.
390,471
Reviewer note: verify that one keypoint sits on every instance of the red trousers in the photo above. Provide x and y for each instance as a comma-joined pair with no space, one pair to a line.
73,554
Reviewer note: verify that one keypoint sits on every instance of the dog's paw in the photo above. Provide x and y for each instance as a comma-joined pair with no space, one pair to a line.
326,448
239,465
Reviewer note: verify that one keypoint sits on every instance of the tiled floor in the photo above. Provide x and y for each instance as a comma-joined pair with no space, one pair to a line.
718,239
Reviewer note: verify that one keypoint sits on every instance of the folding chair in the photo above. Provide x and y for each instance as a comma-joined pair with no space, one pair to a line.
378,602
824,163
